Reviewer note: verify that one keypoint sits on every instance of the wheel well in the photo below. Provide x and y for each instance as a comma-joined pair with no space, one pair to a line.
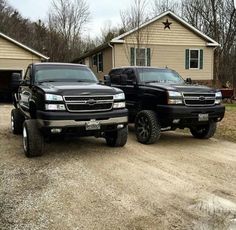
32,110
14,100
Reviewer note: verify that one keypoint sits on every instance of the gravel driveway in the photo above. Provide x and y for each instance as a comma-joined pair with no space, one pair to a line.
177,183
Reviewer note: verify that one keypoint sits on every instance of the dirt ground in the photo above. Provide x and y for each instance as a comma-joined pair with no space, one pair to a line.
177,183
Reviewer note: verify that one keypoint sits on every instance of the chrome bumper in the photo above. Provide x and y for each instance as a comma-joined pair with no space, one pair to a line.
73,123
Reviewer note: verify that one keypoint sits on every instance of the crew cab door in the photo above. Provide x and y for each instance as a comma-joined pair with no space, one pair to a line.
25,92
130,87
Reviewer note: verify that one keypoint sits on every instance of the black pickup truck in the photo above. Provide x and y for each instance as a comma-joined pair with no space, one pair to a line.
160,100
62,99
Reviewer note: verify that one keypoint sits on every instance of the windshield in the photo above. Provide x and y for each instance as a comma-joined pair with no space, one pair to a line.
64,74
148,75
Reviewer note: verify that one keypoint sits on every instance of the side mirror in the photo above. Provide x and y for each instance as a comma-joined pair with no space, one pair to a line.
107,80
189,81
15,81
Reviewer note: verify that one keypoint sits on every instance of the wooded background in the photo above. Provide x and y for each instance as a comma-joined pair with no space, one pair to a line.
63,37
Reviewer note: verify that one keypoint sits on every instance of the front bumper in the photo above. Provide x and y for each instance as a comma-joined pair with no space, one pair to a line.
188,115
76,122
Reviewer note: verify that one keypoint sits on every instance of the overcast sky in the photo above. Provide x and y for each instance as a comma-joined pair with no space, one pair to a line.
101,11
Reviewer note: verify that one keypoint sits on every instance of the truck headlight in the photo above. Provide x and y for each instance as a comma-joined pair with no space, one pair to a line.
218,98
119,105
174,94
55,107
119,96
175,98
53,97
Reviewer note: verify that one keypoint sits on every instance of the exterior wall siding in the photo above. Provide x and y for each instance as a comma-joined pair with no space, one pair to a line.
107,64
167,49
155,33
16,64
171,56
9,50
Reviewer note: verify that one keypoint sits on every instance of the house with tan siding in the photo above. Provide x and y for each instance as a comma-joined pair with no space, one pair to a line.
14,57
165,41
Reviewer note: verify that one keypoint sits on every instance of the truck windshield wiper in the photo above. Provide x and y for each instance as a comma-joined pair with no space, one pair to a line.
152,81
159,81
46,81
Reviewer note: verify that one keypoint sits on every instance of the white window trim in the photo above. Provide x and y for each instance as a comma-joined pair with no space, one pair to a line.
135,59
198,59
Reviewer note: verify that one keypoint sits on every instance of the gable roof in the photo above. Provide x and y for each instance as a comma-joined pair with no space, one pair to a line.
23,46
179,19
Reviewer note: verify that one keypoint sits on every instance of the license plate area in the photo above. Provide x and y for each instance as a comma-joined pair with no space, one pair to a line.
203,117
92,125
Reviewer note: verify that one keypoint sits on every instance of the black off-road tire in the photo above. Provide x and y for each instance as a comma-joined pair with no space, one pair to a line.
117,138
17,120
33,140
147,127
204,131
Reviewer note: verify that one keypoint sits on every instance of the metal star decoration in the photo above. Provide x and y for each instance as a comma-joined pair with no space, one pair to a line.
167,24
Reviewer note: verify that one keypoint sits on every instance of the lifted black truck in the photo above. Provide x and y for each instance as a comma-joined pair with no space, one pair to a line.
160,100
61,99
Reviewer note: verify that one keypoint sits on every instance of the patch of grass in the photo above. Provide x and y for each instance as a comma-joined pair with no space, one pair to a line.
230,107
227,127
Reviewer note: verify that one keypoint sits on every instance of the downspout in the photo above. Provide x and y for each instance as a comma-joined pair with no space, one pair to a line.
112,54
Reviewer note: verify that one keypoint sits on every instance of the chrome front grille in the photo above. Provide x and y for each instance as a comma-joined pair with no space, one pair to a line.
89,103
199,99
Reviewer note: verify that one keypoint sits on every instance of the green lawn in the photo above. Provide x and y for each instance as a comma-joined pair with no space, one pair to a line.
230,107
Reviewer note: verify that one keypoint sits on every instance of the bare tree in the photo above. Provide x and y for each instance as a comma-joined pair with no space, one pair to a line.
217,19
160,6
108,32
68,18
134,17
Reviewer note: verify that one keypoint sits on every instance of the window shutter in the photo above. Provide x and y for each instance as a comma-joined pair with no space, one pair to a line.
201,59
132,56
187,59
101,67
148,57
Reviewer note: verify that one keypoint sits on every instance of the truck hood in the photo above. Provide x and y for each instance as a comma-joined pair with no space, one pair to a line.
183,87
77,88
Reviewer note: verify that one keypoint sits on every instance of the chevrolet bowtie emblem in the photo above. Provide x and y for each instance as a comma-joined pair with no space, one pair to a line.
91,102
202,98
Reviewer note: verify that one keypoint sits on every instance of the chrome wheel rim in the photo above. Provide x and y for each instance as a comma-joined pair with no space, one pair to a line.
25,139
12,123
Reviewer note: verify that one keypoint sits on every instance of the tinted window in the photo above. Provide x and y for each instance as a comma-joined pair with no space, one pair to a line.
130,75
27,74
159,75
115,76
64,73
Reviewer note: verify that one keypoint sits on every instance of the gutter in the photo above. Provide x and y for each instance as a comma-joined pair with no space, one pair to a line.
112,54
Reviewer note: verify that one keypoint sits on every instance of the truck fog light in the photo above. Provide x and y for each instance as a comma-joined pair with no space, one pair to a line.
175,101
218,101
119,105
55,107
55,131
176,121
120,126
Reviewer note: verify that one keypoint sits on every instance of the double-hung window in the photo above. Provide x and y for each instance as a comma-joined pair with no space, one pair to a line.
193,59
97,60
140,56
